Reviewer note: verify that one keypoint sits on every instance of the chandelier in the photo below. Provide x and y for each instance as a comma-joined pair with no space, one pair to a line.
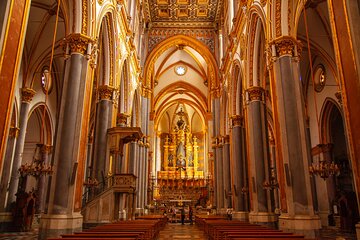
38,167
35,169
324,169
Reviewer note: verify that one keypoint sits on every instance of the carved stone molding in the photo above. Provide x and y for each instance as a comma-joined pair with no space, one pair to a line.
255,93
237,121
27,94
105,92
78,43
286,45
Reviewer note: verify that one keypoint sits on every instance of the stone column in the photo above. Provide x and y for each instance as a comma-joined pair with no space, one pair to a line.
226,173
27,95
220,193
61,217
258,162
9,153
103,122
45,158
291,134
238,169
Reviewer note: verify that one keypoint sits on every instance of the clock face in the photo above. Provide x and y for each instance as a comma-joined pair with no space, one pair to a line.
180,70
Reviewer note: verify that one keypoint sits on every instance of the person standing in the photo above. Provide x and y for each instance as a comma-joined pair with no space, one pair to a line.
182,216
191,215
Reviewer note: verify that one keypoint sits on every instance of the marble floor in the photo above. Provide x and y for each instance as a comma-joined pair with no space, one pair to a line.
189,232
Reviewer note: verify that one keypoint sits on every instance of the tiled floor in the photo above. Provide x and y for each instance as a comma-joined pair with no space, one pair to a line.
189,232
178,231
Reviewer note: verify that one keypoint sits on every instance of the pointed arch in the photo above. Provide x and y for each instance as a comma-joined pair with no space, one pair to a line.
177,40
329,106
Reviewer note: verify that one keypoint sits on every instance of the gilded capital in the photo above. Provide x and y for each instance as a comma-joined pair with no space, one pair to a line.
27,94
105,92
255,93
285,45
146,92
215,92
226,139
237,121
78,43
14,132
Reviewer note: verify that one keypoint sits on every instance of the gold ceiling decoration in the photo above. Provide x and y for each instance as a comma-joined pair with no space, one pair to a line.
189,12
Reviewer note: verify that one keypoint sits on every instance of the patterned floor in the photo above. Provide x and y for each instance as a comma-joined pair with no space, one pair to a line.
189,232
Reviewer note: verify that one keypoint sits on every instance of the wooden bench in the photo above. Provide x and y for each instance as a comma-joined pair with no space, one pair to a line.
217,229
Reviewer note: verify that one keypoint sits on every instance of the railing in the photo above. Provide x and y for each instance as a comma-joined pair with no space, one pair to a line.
119,182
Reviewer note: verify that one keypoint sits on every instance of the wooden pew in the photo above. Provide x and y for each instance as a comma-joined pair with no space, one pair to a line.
217,229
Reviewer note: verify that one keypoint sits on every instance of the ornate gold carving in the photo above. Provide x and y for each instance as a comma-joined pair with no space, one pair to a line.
84,16
78,43
287,45
242,46
14,132
105,92
278,18
263,2
100,1
255,93
27,94
122,119
237,121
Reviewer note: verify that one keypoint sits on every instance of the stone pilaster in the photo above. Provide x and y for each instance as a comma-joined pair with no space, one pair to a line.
27,95
259,165
61,217
289,103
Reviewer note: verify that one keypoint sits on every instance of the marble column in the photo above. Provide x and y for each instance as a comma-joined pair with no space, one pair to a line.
27,95
258,162
226,173
238,168
9,153
61,217
291,134
45,158
103,122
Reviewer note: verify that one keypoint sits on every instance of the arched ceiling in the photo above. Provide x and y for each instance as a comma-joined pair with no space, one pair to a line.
189,90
